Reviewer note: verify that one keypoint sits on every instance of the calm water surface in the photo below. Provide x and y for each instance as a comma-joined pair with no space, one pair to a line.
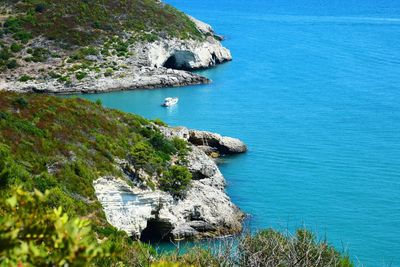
314,91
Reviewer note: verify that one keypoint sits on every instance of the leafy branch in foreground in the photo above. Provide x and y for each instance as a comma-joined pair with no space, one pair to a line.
33,236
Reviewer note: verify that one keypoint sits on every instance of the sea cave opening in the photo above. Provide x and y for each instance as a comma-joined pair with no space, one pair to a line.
180,60
156,231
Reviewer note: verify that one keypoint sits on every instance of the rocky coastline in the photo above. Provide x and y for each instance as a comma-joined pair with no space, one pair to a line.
166,62
135,203
204,211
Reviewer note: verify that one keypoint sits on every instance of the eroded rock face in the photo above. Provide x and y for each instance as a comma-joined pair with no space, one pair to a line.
207,141
206,209
224,144
186,55
127,208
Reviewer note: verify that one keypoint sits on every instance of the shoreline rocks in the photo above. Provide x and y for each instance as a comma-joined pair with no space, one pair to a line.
207,141
161,63
205,211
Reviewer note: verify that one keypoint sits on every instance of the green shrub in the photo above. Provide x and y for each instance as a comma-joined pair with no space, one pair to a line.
33,236
271,248
20,102
54,75
109,72
176,180
142,155
80,75
162,145
180,145
15,47
25,78
64,79
12,64
40,54
23,36
13,25
160,122
40,8
5,53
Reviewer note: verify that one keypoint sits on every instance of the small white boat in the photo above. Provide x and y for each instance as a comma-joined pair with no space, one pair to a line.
170,101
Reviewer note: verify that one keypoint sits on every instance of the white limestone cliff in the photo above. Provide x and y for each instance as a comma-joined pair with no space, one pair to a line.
205,210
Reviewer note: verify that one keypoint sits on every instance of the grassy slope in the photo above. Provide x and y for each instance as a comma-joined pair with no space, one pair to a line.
82,22
79,141
106,29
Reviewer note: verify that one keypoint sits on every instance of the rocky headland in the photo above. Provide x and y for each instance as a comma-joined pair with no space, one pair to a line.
204,211
126,60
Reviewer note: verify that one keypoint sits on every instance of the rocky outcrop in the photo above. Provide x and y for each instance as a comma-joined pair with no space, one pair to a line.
135,78
208,141
205,28
186,55
224,144
162,63
204,211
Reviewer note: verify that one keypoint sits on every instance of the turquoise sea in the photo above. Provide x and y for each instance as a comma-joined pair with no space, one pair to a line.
314,90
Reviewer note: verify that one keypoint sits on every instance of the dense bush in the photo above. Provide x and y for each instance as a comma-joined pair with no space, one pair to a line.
39,55
80,75
15,47
176,180
86,22
33,236
271,248
25,78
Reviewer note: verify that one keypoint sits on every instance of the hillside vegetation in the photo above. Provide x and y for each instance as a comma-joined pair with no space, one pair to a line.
69,42
83,22
51,149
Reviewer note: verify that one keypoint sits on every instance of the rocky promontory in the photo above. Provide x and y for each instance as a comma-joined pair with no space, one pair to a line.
204,211
123,59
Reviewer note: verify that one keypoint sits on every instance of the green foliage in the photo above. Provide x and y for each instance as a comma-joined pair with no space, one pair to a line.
20,125
277,249
196,256
181,146
109,72
25,78
10,172
39,54
86,22
160,122
12,64
59,146
15,26
5,54
80,75
176,180
15,47
33,236
143,155
81,53
20,102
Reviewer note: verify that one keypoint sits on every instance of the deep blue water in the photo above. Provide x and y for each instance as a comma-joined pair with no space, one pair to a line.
314,90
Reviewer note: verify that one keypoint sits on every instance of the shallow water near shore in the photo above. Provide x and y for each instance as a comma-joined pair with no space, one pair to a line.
314,91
